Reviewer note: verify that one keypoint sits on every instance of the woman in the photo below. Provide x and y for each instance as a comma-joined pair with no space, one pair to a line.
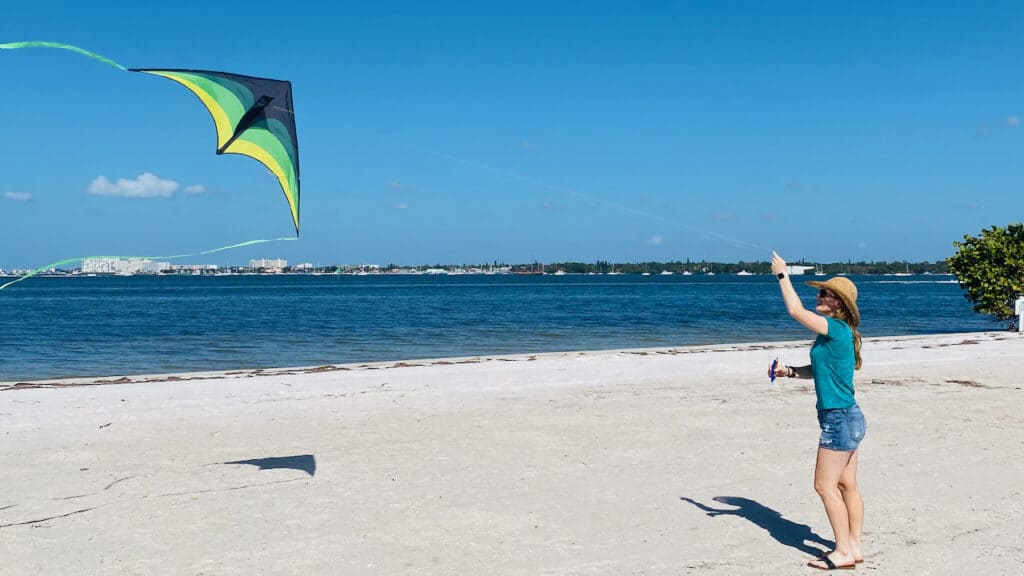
834,356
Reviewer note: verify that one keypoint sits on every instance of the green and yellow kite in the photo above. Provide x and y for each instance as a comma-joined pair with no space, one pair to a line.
254,116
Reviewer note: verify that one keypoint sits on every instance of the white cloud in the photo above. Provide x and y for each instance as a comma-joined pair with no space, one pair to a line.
401,206
145,186
655,241
18,196
1013,121
195,189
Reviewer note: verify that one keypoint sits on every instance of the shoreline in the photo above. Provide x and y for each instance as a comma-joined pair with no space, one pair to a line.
647,461
151,328
390,364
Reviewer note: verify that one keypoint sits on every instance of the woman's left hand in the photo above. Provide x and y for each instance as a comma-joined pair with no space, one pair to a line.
778,264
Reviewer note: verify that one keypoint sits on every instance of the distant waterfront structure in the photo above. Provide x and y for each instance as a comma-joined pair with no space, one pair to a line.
123,267
99,265
269,265
798,270
195,269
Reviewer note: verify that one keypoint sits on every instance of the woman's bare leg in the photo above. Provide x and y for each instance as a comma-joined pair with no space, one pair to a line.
827,471
854,505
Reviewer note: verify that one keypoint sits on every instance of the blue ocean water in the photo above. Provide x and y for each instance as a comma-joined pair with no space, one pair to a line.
105,326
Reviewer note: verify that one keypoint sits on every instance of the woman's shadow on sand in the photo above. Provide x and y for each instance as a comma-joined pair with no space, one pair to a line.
784,531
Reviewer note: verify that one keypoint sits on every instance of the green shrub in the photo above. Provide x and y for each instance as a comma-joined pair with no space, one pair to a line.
990,268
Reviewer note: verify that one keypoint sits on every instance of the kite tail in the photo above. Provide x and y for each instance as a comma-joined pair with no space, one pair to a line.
38,270
70,260
39,44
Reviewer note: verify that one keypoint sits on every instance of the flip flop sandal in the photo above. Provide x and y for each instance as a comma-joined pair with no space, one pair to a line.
830,565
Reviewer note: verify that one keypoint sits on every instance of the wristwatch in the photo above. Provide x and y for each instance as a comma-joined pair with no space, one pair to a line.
781,275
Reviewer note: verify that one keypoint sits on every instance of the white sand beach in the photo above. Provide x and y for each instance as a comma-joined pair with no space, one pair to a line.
666,461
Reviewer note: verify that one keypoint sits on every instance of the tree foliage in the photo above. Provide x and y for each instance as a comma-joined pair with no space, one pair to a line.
990,268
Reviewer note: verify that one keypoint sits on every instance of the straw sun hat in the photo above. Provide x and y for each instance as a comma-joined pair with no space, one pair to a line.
845,289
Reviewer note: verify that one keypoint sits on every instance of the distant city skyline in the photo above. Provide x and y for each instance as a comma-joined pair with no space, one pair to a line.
107,265
455,132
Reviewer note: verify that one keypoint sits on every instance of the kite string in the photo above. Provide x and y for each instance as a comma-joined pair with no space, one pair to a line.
739,243
176,256
736,242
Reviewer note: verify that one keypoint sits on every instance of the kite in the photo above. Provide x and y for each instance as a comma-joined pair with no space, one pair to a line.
254,116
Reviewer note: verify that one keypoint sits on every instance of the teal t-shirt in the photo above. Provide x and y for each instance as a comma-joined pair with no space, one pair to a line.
832,362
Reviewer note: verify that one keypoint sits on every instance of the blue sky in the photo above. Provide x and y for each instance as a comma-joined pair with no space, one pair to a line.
465,132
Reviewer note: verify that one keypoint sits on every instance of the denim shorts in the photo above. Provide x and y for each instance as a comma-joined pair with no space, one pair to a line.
842,429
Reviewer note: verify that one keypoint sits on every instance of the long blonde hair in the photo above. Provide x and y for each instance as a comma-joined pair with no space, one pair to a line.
842,313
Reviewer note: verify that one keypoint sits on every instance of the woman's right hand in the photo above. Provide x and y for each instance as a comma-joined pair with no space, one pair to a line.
778,264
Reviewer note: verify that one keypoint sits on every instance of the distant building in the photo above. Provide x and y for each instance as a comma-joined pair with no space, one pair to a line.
100,265
142,266
123,267
194,269
268,265
798,270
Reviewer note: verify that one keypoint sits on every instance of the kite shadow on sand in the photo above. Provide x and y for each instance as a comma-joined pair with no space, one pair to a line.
784,531
304,463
